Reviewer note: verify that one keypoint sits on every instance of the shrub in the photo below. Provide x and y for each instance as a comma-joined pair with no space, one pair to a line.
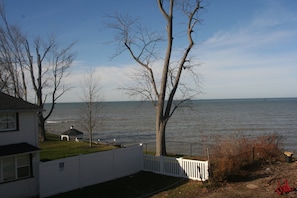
234,156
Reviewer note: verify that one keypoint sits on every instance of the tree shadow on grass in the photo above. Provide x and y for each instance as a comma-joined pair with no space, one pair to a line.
142,184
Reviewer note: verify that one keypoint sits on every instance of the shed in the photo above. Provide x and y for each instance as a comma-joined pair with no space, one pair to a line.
72,133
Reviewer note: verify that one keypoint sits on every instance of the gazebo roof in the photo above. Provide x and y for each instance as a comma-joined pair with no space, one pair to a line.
72,132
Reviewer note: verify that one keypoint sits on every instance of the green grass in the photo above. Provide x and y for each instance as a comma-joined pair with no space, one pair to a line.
54,148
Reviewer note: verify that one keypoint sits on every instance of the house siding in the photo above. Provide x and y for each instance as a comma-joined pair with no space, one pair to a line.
28,131
23,188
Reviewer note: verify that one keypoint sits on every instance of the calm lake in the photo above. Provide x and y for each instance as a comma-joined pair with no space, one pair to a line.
134,122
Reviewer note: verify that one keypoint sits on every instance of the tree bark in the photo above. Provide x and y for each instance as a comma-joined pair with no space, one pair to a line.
160,136
161,119
41,126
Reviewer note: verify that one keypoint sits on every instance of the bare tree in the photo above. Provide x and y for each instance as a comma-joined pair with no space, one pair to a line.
12,76
46,73
37,73
166,86
91,115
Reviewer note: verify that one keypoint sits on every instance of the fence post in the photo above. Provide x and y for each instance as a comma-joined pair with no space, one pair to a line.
181,164
141,156
207,169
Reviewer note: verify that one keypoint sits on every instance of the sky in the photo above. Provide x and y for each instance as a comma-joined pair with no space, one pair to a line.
246,49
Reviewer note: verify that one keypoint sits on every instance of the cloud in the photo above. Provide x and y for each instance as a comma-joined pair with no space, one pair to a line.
109,78
257,59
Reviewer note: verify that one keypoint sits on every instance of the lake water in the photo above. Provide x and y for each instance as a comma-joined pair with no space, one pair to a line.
189,128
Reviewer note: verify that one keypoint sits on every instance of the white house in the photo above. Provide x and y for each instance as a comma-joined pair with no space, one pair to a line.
19,156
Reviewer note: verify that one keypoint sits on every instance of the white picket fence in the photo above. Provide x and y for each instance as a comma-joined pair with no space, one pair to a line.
178,167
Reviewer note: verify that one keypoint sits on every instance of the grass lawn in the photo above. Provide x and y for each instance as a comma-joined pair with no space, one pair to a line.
54,148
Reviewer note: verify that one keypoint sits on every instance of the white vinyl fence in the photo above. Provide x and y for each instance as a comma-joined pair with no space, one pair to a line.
178,167
71,173
80,171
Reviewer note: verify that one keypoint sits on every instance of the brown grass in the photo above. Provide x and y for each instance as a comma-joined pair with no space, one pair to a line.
234,156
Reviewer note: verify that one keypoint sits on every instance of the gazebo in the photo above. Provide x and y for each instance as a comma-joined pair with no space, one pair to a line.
72,133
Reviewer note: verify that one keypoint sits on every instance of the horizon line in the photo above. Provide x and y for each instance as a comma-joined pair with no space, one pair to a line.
204,99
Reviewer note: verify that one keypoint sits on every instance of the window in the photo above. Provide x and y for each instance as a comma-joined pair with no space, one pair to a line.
15,167
9,169
23,166
8,121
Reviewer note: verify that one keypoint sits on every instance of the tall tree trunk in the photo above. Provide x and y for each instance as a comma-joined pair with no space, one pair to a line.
40,101
41,126
90,122
161,119
160,133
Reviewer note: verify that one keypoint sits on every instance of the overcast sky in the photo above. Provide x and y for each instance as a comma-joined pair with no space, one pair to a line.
247,49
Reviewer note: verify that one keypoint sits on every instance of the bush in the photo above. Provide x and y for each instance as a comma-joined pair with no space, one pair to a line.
234,156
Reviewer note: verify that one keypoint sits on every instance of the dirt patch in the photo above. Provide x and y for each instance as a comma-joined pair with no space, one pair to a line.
261,183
